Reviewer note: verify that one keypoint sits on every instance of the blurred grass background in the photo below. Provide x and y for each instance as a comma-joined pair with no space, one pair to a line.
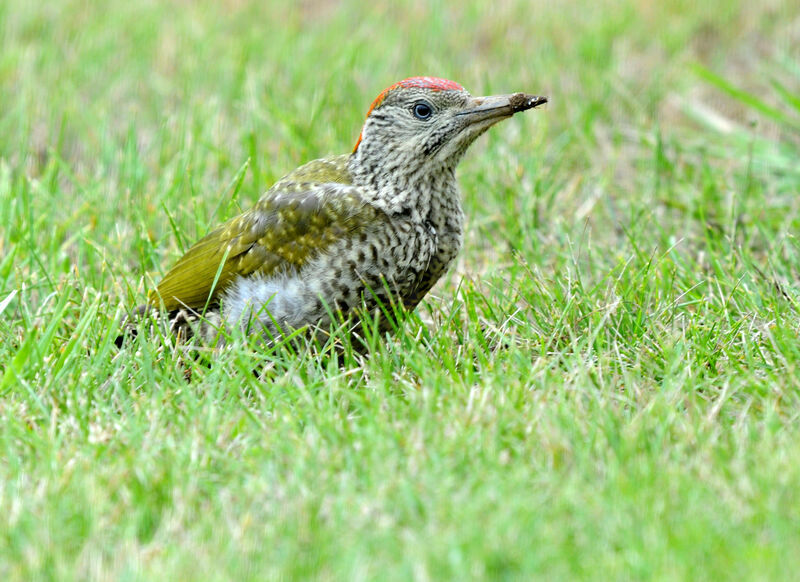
605,387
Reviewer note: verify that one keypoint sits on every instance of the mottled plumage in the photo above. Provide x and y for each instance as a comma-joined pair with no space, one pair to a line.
379,225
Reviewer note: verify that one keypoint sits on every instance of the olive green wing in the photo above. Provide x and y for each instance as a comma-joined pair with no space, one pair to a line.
286,229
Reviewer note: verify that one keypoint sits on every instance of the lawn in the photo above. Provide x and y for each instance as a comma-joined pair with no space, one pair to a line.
606,386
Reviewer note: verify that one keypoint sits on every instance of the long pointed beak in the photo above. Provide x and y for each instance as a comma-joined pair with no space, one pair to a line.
499,106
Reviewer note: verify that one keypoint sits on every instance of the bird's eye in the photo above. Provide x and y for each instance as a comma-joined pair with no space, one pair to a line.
422,110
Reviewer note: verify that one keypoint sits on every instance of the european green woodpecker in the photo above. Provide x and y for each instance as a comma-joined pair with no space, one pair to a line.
374,227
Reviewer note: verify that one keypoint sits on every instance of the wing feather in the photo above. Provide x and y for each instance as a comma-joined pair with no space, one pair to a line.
285,230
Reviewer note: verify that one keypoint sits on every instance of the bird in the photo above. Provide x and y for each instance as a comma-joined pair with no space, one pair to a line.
344,234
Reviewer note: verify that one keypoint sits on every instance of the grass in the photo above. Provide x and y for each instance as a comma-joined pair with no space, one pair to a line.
605,387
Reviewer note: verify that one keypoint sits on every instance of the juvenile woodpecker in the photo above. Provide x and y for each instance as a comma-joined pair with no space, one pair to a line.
376,226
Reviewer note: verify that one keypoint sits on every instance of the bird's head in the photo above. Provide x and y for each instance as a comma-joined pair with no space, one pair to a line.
427,123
